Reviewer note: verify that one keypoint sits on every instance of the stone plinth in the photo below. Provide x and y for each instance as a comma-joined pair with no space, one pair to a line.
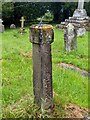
70,36
77,22
41,38
79,18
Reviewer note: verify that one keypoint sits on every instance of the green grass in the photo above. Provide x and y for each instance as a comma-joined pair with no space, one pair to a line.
70,86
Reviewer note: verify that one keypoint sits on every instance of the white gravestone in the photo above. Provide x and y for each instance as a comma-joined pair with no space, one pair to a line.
81,31
1,26
12,26
70,36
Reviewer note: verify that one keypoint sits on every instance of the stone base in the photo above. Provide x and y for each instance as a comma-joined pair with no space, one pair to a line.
79,20
22,30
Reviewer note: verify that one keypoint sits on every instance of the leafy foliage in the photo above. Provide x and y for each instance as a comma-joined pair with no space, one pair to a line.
12,11
8,12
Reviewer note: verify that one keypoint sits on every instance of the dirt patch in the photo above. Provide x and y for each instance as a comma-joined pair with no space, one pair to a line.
72,67
26,54
25,107
75,111
18,105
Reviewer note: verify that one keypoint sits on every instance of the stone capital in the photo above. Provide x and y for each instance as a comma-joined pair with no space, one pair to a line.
41,34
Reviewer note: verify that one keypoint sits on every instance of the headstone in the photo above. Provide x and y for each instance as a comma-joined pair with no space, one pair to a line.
41,37
12,26
81,32
70,36
22,22
1,26
22,29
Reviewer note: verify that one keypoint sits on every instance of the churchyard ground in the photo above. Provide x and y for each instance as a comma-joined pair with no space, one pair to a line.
69,86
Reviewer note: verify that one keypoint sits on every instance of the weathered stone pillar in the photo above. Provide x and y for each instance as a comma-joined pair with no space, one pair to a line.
41,38
70,37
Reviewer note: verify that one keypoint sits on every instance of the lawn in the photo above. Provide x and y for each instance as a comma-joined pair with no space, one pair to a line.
17,90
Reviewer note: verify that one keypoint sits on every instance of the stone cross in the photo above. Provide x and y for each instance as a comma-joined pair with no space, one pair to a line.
22,22
41,38
80,4
70,36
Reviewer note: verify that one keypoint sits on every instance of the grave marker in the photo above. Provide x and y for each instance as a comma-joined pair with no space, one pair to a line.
22,25
70,36
12,26
41,37
22,22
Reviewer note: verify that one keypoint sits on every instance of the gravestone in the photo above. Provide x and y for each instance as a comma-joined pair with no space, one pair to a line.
1,26
12,26
22,29
41,37
70,36
81,32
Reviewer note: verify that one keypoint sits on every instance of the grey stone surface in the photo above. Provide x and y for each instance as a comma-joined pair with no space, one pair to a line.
1,26
12,26
74,68
41,38
80,13
80,4
37,86
70,36
81,31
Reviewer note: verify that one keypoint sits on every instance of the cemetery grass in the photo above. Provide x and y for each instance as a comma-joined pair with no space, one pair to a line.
17,89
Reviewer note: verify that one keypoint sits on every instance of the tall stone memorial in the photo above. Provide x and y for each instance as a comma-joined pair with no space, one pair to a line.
1,26
79,19
41,37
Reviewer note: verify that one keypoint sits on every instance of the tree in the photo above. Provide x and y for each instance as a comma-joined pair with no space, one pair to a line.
87,7
13,11
31,11
7,12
